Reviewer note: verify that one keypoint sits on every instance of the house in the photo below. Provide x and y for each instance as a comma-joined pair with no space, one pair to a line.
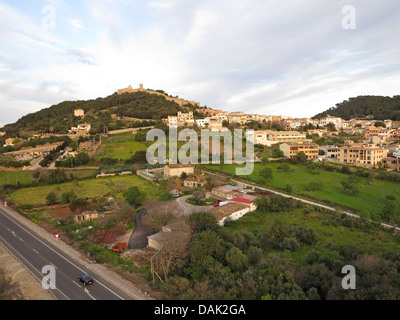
319,132
246,201
328,119
233,211
391,163
176,170
81,129
193,182
9,142
237,117
178,231
80,113
291,149
361,154
87,216
201,123
226,192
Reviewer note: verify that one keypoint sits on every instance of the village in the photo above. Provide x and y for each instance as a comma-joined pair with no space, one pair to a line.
368,144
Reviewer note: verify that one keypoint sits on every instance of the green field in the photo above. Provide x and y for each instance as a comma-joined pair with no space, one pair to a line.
13,177
121,146
124,147
328,231
370,199
90,188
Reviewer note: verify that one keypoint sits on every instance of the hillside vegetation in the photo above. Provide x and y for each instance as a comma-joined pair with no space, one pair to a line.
377,107
59,118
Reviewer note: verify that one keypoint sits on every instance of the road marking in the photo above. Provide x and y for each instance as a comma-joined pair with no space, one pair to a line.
36,251
19,260
88,293
63,257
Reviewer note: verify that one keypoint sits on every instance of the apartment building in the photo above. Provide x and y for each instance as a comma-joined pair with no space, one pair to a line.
330,152
291,149
268,137
361,154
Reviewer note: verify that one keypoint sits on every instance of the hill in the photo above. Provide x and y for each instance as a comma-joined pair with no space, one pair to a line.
376,107
100,112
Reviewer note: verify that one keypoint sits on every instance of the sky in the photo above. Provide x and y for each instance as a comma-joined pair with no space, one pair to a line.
293,58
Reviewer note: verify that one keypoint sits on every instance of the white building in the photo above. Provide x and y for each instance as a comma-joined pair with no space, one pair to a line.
201,123
328,119
268,137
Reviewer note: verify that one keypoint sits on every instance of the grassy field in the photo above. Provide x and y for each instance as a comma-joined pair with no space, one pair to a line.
328,233
124,146
370,199
13,177
25,177
121,146
90,188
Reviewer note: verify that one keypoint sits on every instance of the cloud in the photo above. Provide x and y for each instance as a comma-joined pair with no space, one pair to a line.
270,57
76,24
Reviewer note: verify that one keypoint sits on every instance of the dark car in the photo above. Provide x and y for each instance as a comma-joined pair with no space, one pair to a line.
86,279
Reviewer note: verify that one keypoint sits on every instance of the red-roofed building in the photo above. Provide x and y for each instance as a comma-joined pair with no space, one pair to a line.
248,202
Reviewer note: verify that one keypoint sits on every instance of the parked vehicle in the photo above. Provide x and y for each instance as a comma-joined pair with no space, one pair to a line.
119,247
224,203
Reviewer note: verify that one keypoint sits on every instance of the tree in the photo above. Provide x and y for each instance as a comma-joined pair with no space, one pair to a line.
266,173
51,199
134,196
301,157
199,196
174,253
67,197
79,205
205,249
184,175
82,159
389,209
203,221
126,213
236,259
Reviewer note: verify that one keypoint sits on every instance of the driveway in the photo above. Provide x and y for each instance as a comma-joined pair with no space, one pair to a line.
138,239
187,209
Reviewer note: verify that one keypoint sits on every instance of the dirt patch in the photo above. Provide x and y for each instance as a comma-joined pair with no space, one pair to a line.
62,212
107,236
140,257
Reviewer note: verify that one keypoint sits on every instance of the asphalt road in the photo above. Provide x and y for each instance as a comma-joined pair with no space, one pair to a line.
35,253
138,239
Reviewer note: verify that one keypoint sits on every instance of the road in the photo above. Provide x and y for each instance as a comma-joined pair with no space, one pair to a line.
138,239
35,252
244,185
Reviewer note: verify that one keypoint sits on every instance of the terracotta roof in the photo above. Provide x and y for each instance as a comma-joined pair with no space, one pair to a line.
243,200
227,210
